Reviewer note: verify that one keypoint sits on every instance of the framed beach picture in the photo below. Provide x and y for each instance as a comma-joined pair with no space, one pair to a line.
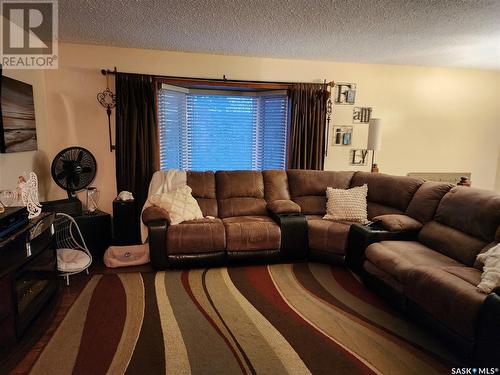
17,120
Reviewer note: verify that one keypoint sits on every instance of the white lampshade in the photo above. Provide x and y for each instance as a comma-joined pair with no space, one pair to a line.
374,134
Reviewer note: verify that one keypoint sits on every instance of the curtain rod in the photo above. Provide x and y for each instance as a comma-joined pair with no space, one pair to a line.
224,79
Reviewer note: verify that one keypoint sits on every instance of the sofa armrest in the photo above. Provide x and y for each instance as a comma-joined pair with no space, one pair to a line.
362,236
398,223
157,220
283,206
153,214
157,238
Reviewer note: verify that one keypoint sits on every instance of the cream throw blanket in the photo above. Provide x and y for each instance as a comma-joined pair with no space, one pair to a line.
162,182
490,278
122,256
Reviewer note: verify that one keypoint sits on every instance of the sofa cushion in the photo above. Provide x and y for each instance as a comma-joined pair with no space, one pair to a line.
275,185
240,193
283,206
451,242
309,182
203,186
426,200
454,301
247,233
398,258
329,236
383,276
311,204
401,188
196,236
472,211
377,209
308,188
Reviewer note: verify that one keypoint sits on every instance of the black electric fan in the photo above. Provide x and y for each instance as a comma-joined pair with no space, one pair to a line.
73,169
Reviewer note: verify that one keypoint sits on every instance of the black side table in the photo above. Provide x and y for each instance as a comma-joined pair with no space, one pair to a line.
125,223
96,231
361,236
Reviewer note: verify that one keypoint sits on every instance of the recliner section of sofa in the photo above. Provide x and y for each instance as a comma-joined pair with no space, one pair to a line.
327,239
250,232
433,278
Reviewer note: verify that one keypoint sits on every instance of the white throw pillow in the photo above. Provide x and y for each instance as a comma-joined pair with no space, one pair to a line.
490,278
347,204
179,203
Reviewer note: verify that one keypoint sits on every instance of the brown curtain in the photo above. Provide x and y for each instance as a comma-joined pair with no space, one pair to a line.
308,125
136,134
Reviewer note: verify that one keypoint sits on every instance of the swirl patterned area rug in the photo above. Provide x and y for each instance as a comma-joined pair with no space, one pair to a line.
278,319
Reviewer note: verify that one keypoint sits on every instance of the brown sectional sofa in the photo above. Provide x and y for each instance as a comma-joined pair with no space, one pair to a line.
435,277
266,216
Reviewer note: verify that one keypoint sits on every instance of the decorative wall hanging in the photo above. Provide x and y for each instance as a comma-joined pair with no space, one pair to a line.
342,135
361,115
108,100
358,157
17,116
345,93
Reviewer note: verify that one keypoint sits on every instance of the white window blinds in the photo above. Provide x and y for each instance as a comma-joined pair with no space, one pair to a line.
203,131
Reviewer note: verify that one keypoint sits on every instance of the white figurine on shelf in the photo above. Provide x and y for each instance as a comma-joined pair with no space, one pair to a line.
29,194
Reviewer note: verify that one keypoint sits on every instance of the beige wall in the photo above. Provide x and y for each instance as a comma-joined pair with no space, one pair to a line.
434,119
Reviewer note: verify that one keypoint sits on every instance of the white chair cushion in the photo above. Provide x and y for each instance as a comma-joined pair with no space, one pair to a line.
72,260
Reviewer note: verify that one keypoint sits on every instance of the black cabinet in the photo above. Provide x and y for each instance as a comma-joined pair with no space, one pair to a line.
96,231
28,277
125,223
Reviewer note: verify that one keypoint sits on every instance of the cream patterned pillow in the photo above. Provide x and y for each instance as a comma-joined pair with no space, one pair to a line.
179,204
347,205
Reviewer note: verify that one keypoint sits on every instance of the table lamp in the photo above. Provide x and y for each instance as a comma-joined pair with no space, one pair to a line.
374,139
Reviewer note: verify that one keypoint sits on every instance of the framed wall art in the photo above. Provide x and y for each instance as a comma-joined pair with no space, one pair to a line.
17,116
358,157
345,93
342,135
361,115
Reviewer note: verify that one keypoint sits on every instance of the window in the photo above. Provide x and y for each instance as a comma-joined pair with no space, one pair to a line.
225,130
